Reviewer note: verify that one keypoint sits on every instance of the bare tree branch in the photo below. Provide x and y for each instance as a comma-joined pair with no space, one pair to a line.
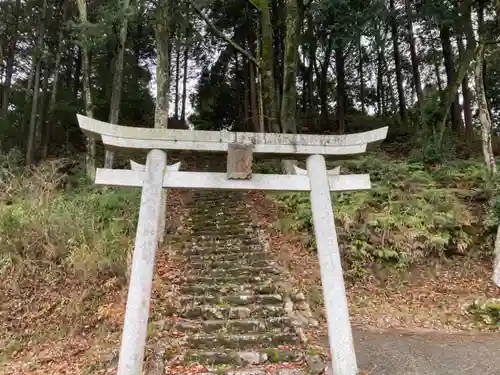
220,34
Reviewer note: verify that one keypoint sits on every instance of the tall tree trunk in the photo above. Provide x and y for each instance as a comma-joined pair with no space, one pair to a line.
78,73
322,78
87,93
42,111
10,59
413,53
162,65
466,13
69,64
184,81
252,78
437,72
361,76
247,110
238,82
397,61
311,58
445,36
382,109
484,115
55,82
260,94
28,100
467,98
30,149
177,75
137,48
254,110
390,86
278,24
289,98
341,91
267,67
116,91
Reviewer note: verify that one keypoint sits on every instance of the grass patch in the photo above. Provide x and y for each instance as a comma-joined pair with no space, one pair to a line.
86,231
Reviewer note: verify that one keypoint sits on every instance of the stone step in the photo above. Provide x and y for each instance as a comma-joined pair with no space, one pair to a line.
233,244
221,202
235,231
202,220
234,300
236,326
221,237
215,197
221,289
241,341
221,196
219,213
222,222
222,227
227,256
216,249
254,357
237,271
229,280
221,265
216,213
244,270
210,312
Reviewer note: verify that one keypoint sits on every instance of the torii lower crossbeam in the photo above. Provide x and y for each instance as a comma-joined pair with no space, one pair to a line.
219,181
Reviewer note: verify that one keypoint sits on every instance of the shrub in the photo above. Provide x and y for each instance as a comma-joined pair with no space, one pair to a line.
410,213
87,231
432,150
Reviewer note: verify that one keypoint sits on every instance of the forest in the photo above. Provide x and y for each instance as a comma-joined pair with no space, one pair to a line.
421,67
430,70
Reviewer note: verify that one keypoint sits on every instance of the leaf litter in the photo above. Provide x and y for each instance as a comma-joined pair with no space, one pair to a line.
58,326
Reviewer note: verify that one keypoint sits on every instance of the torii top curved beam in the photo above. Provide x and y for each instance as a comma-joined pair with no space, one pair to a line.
124,137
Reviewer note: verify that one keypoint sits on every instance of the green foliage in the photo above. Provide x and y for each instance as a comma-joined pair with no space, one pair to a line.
267,166
486,312
432,150
87,231
430,113
493,217
410,213
429,147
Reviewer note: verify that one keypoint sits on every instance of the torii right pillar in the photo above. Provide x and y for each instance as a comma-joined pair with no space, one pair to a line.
343,356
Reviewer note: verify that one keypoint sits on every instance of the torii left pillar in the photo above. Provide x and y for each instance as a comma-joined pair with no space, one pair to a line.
143,262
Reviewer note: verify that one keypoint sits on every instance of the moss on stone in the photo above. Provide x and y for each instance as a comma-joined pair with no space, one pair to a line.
273,355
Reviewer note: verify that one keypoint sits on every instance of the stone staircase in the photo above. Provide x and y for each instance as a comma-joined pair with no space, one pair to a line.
236,314
232,295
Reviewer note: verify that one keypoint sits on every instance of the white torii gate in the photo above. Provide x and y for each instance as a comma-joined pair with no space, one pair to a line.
156,175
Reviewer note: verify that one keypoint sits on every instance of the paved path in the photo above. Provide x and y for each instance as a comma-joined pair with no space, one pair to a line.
398,353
